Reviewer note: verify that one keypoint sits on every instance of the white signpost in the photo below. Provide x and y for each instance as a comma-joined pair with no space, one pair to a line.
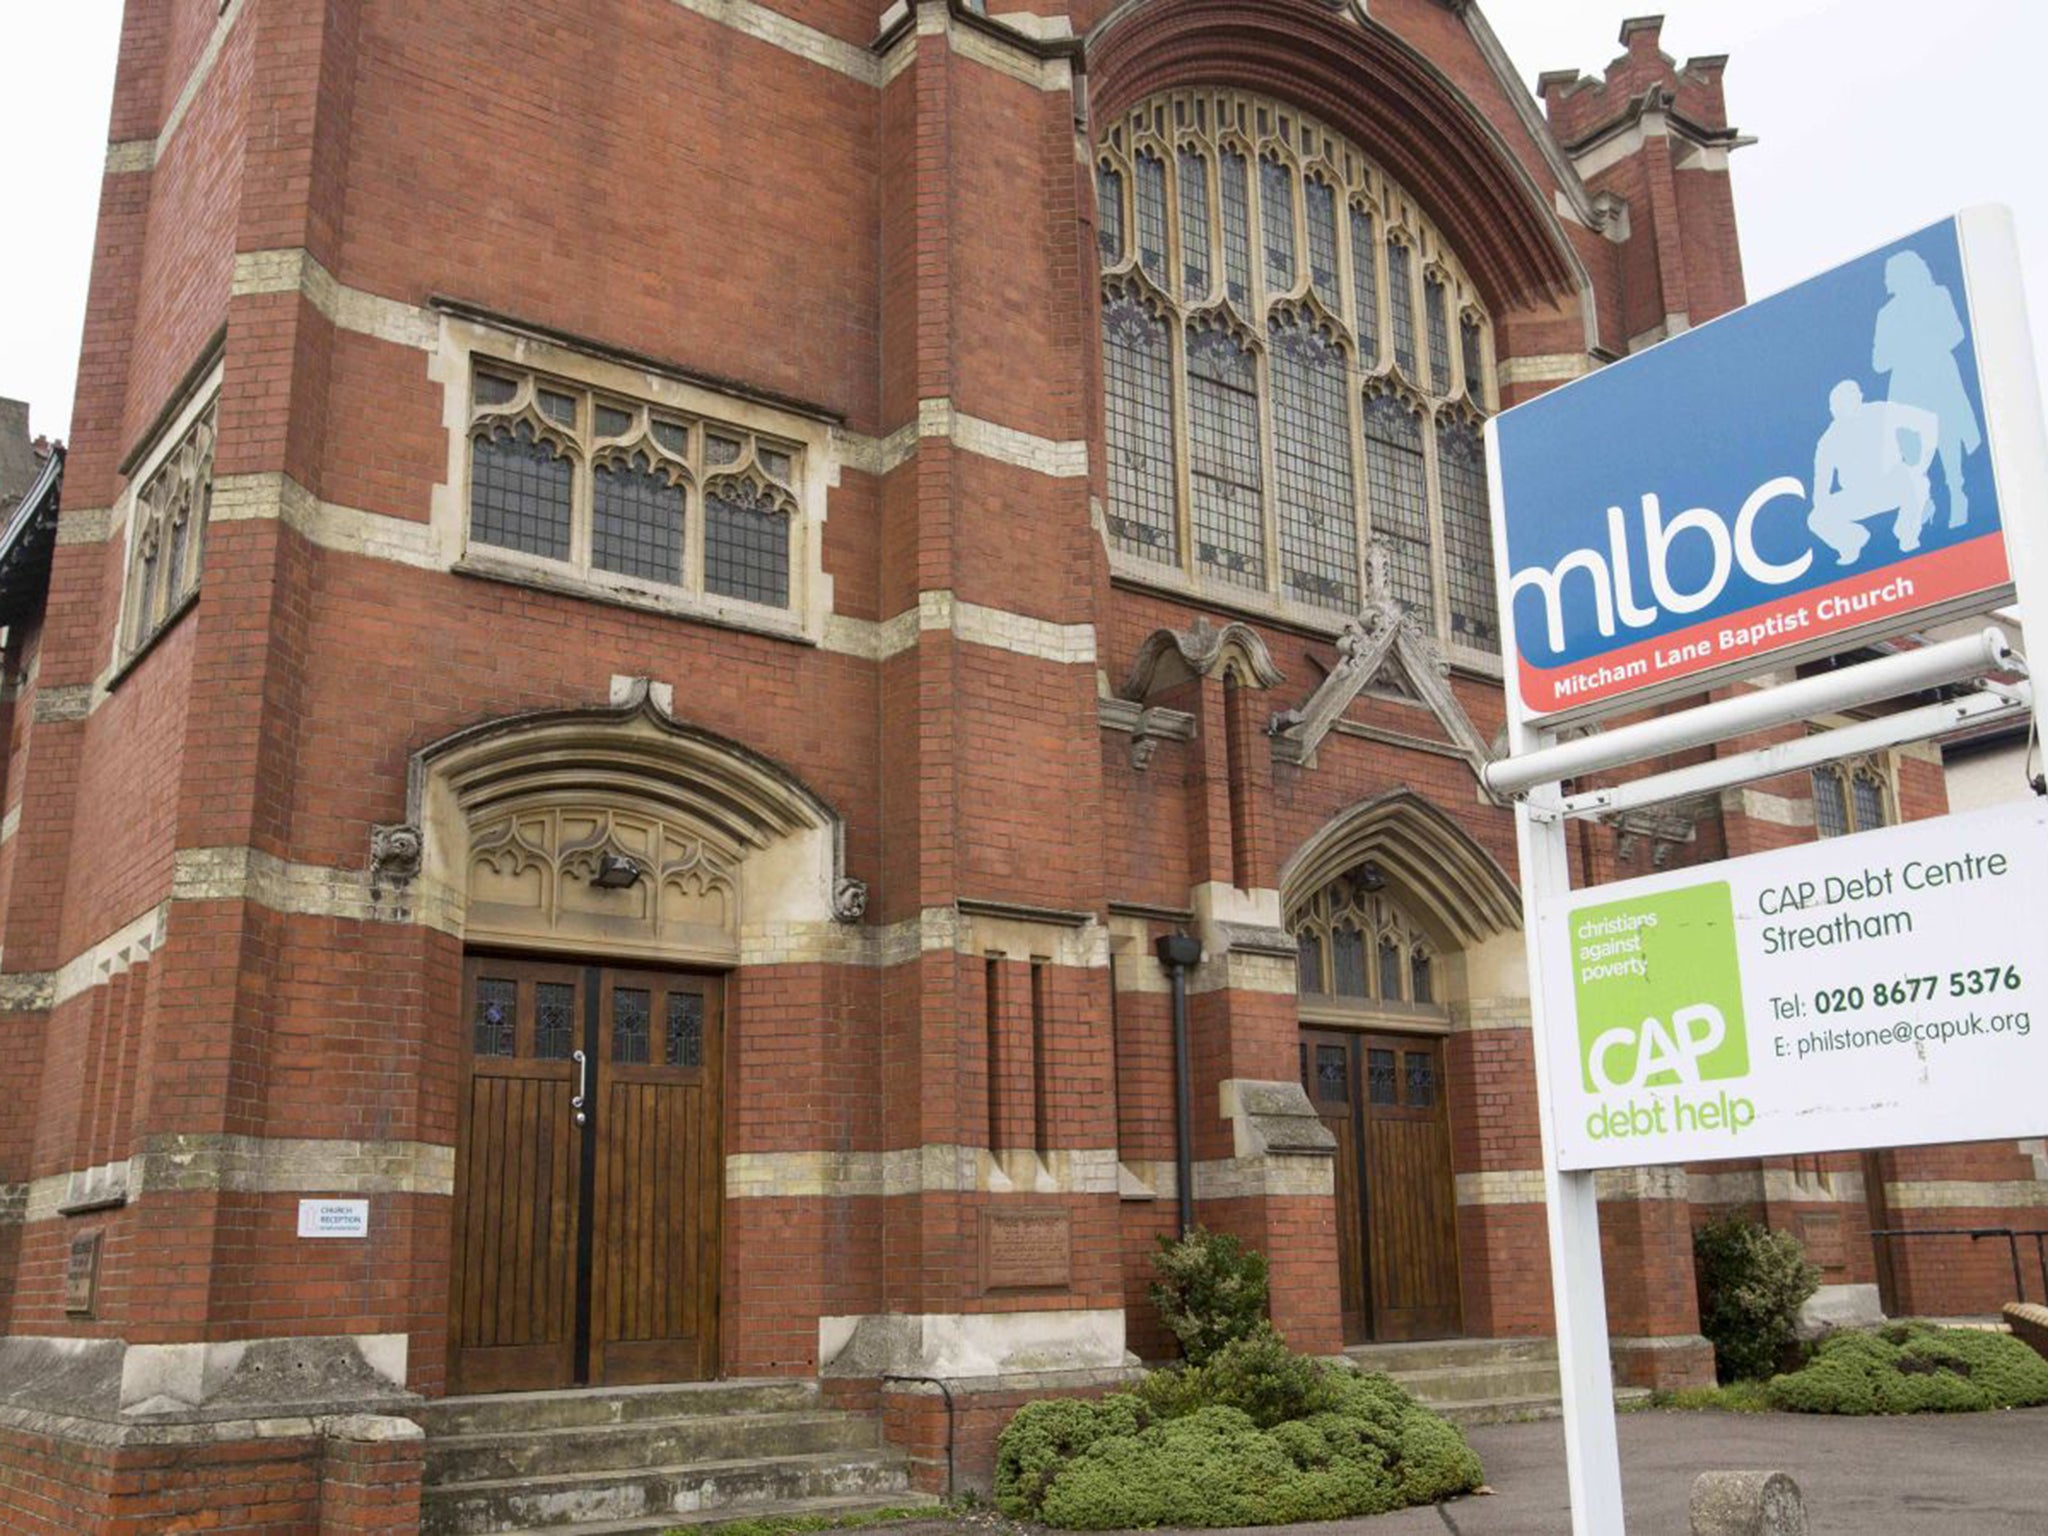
1847,461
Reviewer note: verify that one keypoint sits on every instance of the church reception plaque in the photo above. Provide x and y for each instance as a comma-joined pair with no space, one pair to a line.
1027,1250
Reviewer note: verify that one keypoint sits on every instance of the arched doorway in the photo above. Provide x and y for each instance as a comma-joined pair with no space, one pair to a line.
1382,904
602,866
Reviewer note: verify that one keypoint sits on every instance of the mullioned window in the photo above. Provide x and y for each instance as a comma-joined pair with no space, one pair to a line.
1295,367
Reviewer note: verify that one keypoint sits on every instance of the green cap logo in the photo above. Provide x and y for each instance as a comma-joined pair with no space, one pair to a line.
1659,990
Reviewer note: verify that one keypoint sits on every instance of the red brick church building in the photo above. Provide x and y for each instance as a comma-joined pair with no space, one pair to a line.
657,607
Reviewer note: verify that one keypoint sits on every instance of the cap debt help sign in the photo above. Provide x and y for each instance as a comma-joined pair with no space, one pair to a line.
1814,470
1885,989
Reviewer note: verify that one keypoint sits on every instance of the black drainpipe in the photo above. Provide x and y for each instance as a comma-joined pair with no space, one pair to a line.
1178,952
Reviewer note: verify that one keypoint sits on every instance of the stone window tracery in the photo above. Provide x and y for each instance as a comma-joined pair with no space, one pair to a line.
1356,945
1294,366
1851,796
167,533
621,490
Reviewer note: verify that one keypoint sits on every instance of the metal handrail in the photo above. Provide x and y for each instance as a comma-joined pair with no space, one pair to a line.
2012,1238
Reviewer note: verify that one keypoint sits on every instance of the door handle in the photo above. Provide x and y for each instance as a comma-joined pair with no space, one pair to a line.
582,1085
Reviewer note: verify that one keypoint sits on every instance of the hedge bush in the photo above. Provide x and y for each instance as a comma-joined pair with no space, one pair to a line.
1256,1436
1752,1283
1914,1368
1210,1290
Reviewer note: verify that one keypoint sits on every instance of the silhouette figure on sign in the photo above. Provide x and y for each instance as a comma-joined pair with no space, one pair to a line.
1872,461
1918,332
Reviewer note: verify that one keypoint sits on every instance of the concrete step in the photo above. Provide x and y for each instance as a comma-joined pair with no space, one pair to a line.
1443,1385
1438,1354
824,1507
563,1500
497,1454
1523,1410
513,1412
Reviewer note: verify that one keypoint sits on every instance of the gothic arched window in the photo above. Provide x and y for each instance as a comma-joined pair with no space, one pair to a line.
1294,366
1358,946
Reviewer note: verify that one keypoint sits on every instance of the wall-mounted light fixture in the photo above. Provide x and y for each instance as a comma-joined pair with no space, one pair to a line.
616,872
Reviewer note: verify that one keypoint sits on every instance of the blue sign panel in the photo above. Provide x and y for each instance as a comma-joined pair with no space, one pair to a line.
1813,468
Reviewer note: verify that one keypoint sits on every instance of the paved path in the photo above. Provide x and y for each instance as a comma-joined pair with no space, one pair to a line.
1969,1474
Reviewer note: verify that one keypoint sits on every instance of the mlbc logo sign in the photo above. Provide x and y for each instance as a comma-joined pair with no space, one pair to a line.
1815,465
1659,993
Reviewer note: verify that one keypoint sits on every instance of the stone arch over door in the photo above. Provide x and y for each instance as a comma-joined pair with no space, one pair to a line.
605,869
1399,917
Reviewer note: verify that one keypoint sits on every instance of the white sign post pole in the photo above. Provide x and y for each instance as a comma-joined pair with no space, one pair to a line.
1571,1208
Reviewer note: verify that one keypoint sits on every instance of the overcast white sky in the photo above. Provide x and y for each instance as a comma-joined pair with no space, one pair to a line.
1875,117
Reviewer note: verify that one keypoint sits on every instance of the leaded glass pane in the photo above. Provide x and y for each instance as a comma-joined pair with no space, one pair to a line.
1439,334
1421,988
554,1020
1421,1085
1276,198
1365,285
775,463
1333,1072
519,492
1321,200
746,545
613,422
1194,225
1869,802
630,1034
497,1017
174,573
148,608
1475,358
721,450
1152,215
1223,457
1109,214
636,522
1401,304
1237,226
1390,970
1399,492
1379,1077
1308,963
557,407
1830,809
492,390
673,436
684,1042
1312,467
1468,535
1137,370
1347,953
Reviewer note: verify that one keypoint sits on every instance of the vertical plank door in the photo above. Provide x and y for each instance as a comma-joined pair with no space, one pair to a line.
1329,1073
654,1272
1411,1196
512,1293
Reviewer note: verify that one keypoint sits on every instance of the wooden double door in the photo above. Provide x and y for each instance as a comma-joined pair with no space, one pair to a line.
587,1178
1382,1095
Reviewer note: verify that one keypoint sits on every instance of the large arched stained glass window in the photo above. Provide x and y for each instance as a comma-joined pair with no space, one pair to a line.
1295,368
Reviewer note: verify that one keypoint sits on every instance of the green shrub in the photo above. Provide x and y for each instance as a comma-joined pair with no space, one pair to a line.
1913,1368
1752,1283
1296,1439
1044,1436
1258,1375
1210,1290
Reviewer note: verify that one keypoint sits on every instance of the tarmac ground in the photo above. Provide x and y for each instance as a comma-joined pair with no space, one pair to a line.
1966,1474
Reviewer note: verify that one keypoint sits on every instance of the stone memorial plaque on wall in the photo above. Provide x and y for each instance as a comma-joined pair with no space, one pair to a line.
1026,1250
82,1273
